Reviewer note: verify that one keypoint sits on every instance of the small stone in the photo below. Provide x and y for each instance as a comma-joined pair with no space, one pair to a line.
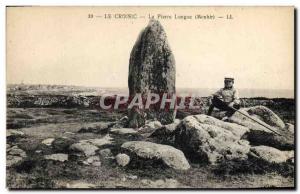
153,125
62,144
132,177
16,151
80,185
106,153
290,128
123,131
122,159
48,141
160,183
149,128
120,123
70,133
166,132
96,163
12,160
93,159
8,146
292,160
57,157
14,133
270,154
97,127
87,148
125,118
106,140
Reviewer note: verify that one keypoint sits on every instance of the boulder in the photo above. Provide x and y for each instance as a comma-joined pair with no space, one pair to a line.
168,128
262,115
204,139
149,128
270,154
14,156
152,152
260,135
165,134
151,69
122,159
57,157
87,148
236,129
62,144
267,116
290,128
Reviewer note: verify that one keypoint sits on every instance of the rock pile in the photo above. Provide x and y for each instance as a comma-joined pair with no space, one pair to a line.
14,154
207,139
90,146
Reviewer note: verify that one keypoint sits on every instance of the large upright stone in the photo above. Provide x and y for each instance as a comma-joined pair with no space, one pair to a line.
151,69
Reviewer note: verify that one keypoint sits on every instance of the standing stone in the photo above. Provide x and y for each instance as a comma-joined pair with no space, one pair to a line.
151,69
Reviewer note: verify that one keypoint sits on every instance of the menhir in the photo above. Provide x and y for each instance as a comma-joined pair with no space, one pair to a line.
151,70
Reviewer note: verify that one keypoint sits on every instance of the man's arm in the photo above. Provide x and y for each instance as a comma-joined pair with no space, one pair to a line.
218,93
236,99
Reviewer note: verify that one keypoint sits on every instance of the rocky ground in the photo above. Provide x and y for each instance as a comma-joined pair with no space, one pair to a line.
87,148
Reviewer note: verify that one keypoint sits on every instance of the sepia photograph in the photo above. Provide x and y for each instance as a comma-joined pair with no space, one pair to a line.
150,97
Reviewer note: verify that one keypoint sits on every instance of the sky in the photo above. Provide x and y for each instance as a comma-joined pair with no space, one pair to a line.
61,45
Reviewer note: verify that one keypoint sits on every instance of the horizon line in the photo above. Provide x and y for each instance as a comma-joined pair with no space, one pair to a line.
127,86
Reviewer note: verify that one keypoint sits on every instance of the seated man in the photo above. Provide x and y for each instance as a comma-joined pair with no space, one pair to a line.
226,98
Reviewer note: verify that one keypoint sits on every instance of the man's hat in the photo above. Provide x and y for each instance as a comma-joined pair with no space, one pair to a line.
229,78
